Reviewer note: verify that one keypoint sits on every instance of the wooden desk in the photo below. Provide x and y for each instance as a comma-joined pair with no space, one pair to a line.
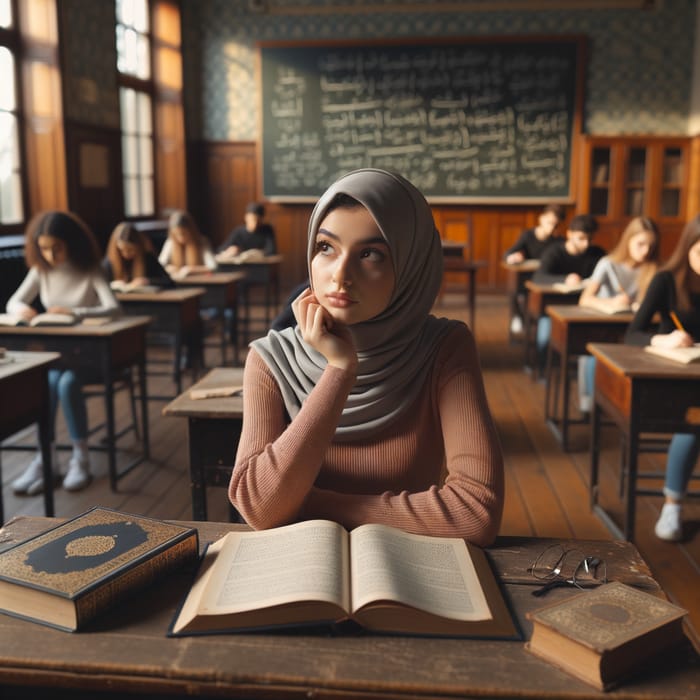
175,312
469,268
126,650
220,292
264,272
214,428
24,400
105,351
518,274
641,393
572,328
539,296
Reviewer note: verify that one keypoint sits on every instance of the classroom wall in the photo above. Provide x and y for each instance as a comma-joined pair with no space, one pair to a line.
638,79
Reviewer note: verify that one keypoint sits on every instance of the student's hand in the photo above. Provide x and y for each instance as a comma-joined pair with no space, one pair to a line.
59,310
232,250
138,282
515,258
572,278
674,339
318,328
28,313
621,301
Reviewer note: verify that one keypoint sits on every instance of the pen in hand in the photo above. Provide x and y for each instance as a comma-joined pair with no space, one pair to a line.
676,322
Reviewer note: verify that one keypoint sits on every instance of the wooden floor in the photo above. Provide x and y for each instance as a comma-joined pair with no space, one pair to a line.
546,493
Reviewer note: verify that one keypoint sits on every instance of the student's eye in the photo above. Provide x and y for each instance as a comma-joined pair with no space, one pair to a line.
373,255
323,247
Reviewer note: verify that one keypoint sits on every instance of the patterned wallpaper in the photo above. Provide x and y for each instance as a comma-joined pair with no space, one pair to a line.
638,78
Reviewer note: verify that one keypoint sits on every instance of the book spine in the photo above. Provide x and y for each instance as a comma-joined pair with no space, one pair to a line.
142,574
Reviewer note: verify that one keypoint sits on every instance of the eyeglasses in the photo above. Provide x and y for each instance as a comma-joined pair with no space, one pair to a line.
557,566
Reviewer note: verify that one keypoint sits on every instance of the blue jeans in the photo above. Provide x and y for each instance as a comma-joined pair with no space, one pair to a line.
544,331
66,387
682,455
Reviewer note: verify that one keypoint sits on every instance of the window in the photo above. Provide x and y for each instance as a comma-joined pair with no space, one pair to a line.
11,205
136,106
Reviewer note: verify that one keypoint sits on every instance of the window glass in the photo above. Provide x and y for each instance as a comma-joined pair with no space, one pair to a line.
7,84
5,14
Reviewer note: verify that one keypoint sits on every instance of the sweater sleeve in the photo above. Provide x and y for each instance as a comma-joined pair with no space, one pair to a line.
108,304
165,252
25,294
519,246
469,503
550,271
277,464
658,299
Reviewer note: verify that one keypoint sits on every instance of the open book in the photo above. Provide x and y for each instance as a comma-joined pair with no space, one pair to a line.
569,288
683,355
315,573
130,288
251,255
45,319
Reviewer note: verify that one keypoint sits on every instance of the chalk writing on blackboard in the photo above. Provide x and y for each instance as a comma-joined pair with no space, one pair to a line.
463,121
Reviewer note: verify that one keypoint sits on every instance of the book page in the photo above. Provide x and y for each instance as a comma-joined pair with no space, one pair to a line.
683,355
300,562
434,574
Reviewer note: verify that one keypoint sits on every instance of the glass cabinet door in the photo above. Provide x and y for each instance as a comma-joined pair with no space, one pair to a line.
671,181
600,181
635,181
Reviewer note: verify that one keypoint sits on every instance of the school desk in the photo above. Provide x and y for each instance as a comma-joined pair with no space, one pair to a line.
126,651
642,394
220,293
105,351
214,428
572,328
518,274
24,400
454,264
539,296
264,272
175,313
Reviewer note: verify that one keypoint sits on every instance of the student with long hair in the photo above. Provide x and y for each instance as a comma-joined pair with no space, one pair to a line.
64,273
186,251
674,290
131,261
370,409
618,283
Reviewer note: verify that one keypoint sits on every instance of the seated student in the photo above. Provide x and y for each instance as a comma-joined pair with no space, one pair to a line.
254,234
130,259
186,251
619,282
358,412
530,246
674,289
570,261
64,273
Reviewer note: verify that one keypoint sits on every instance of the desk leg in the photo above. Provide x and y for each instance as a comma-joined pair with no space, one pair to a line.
45,447
595,454
111,437
198,487
178,361
472,298
630,465
566,386
144,409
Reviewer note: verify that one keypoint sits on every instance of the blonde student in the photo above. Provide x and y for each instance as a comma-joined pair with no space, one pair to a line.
669,316
186,250
64,273
619,282
370,409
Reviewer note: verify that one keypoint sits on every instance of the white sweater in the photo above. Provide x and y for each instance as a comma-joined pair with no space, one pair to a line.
85,293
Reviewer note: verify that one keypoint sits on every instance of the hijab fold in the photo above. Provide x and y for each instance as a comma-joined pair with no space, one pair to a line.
396,348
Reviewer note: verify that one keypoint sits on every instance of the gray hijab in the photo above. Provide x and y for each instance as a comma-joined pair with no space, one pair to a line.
396,348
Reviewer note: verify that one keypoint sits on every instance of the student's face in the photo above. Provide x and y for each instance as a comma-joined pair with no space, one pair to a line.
577,242
53,250
180,234
127,250
640,246
548,222
351,270
251,221
694,258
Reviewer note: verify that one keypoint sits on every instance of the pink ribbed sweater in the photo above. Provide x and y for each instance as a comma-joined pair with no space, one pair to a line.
288,472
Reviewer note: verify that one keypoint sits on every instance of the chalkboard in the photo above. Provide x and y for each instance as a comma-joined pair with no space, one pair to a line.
464,120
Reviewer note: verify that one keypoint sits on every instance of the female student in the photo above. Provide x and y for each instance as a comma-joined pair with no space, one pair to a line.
130,261
674,291
64,273
530,245
358,412
618,283
186,251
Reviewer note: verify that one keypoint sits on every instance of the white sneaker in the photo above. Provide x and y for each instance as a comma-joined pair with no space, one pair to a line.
516,325
31,478
78,475
585,403
669,526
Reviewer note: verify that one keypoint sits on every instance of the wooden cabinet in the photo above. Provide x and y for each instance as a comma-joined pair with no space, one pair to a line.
623,177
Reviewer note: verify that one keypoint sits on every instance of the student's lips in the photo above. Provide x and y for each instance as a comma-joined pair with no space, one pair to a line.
340,301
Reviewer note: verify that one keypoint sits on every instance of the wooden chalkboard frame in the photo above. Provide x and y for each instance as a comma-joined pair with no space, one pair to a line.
575,43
